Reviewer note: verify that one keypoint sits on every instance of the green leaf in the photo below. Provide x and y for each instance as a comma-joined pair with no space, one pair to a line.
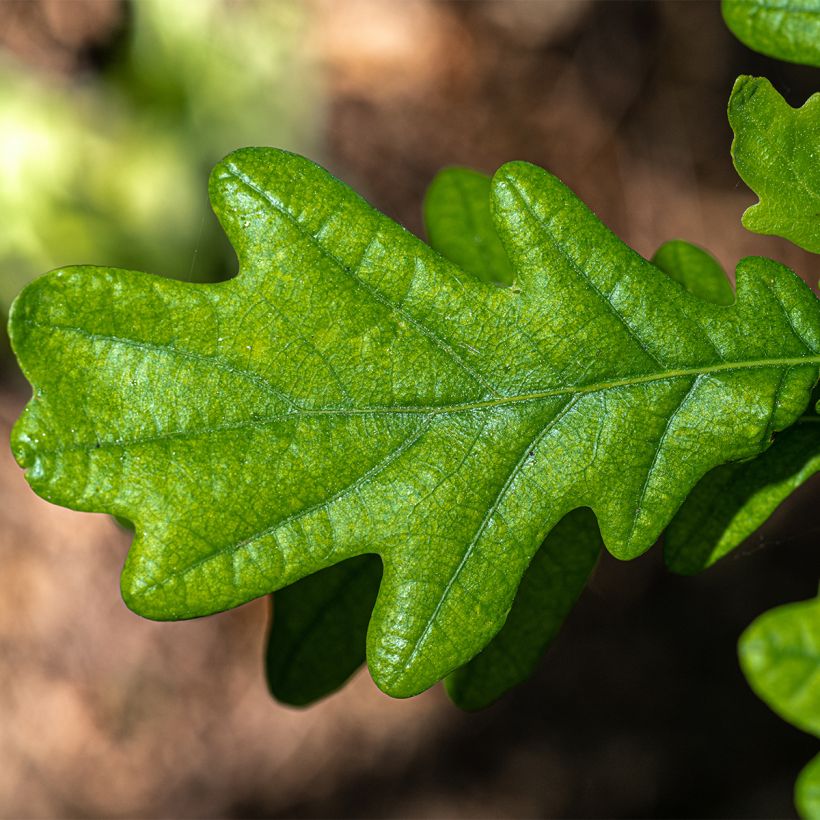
319,628
807,791
734,500
549,589
696,269
352,392
775,151
460,226
786,29
780,656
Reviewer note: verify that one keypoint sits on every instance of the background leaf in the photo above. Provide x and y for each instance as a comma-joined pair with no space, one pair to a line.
807,790
319,629
775,151
696,269
460,226
786,29
351,392
734,500
780,656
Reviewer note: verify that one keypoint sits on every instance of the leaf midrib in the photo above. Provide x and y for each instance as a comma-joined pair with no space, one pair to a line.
441,409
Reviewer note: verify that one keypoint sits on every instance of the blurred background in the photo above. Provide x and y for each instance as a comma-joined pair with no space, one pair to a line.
111,115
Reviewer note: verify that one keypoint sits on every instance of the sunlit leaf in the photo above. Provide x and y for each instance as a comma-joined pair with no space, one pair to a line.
352,392
775,151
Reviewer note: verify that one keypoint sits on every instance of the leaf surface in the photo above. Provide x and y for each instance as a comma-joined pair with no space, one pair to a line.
775,151
785,29
352,392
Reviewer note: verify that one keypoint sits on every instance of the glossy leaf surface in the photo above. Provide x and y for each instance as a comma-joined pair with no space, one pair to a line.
785,29
351,392
775,151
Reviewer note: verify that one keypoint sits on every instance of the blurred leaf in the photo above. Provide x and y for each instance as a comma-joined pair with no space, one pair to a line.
460,225
319,629
786,29
108,167
807,791
352,392
696,269
775,151
780,656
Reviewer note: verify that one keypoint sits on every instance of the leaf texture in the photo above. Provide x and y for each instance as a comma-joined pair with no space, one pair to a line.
785,29
775,151
352,392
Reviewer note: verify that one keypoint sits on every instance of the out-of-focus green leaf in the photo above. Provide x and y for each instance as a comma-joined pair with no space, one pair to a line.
775,151
318,633
780,656
108,167
807,791
352,392
785,29
696,269
460,226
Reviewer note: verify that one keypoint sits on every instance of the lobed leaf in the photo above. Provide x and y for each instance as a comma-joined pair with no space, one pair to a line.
786,29
352,392
775,151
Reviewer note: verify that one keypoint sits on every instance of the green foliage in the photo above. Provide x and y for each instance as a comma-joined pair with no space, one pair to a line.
109,167
807,790
317,638
352,392
307,664
696,269
775,151
732,501
786,29
460,226
780,656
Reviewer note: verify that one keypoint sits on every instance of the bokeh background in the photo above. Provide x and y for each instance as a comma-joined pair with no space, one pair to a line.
111,114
